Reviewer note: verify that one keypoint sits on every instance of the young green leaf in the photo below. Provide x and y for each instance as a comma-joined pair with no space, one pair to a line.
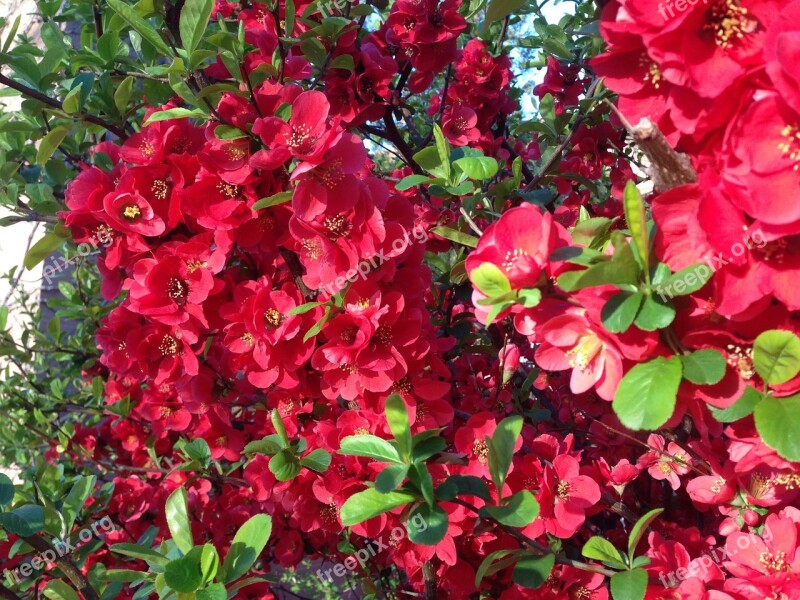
777,422
50,143
620,310
639,529
317,460
598,548
370,503
704,367
646,396
138,24
776,356
456,236
193,22
629,585
370,446
490,280
177,513
518,510
433,527
743,407
501,449
248,543
532,571
637,223
397,417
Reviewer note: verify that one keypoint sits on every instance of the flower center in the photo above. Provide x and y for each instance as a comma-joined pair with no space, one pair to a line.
791,147
717,487
481,449
301,138
168,346
147,149
234,152
729,22
159,189
177,289
511,258
337,226
248,339
131,211
582,355
741,360
384,335
273,317
313,248
228,190
562,490
774,562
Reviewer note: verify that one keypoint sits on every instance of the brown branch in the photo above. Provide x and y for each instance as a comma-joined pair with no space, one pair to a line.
66,565
7,593
51,102
429,573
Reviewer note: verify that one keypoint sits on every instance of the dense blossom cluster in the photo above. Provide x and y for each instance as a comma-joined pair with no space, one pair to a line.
221,302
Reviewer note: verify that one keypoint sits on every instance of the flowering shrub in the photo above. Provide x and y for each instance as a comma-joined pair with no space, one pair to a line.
344,286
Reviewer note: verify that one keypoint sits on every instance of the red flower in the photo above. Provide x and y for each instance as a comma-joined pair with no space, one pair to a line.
565,496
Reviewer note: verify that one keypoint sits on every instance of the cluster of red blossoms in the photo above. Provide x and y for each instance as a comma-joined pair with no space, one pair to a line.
229,311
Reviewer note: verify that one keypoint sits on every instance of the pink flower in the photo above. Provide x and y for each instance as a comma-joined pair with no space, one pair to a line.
565,496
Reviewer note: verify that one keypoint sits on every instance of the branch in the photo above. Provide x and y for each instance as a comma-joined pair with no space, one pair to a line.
51,102
66,565
393,135
7,593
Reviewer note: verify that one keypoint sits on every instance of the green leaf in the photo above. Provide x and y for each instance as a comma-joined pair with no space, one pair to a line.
370,503
123,575
274,200
442,149
655,314
600,549
122,94
268,445
72,101
490,280
501,449
433,527
193,22
248,543
184,574
370,446
177,513
50,143
639,529
500,9
174,113
314,51
6,490
704,367
410,181
75,500
776,356
285,465
646,396
24,520
209,562
532,571
629,585
215,591
637,222
343,61
317,460
228,132
277,423
494,562
518,510
199,451
622,269
743,407
479,168
58,590
465,485
456,236
620,310
684,282
397,417
777,422
390,478
138,24
141,552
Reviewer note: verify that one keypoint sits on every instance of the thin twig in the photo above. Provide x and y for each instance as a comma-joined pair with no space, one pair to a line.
47,100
